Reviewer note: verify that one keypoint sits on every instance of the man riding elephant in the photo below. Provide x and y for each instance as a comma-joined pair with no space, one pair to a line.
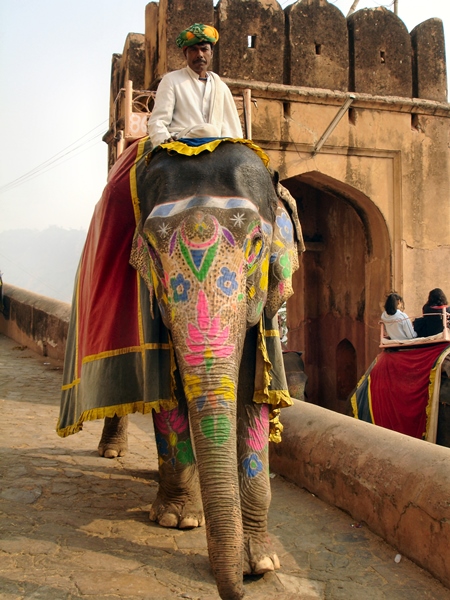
194,102
188,258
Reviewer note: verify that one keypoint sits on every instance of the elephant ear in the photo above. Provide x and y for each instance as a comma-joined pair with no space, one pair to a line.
287,243
140,259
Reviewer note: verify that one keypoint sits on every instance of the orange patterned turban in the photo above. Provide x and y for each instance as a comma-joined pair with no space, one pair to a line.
196,34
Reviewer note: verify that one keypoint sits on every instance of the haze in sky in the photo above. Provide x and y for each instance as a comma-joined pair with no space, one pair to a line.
55,60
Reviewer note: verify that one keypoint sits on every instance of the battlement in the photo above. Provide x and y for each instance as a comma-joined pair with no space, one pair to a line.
309,44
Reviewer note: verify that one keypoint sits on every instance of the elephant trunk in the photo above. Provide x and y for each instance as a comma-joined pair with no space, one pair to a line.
213,424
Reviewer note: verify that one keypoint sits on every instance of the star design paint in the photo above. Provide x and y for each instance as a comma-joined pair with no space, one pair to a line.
238,219
164,230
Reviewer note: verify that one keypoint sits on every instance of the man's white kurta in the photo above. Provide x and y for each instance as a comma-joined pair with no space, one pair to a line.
187,107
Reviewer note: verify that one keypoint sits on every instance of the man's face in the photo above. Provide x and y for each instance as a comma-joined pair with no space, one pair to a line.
199,57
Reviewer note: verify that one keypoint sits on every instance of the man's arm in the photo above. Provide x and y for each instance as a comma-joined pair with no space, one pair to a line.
162,112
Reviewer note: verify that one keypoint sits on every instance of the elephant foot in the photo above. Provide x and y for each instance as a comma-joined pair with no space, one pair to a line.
258,558
114,440
177,514
178,503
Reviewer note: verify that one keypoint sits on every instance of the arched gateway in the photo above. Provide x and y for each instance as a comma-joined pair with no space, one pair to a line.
344,274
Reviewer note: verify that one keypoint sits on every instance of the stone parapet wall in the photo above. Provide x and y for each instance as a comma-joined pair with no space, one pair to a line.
35,321
396,485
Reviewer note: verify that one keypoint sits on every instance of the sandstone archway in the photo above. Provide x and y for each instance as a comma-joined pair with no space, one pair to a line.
341,285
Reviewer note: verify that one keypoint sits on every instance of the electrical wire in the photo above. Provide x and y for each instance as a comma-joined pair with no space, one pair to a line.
55,160
51,166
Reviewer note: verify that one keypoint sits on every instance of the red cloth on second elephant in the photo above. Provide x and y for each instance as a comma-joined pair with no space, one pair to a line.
397,390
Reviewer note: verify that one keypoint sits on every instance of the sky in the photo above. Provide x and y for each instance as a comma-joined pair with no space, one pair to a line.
55,64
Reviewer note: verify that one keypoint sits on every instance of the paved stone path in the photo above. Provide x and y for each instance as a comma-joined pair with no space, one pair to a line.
75,526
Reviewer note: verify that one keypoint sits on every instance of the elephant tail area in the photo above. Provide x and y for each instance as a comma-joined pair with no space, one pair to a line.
400,391
119,358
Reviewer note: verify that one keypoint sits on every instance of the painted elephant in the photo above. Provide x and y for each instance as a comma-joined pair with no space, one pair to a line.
216,247
407,391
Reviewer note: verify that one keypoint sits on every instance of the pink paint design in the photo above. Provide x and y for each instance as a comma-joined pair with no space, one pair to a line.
167,421
206,340
258,435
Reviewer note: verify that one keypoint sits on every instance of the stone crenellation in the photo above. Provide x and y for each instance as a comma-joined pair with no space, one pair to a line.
309,44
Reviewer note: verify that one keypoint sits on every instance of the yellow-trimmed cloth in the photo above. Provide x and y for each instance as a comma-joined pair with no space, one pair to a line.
119,355
179,147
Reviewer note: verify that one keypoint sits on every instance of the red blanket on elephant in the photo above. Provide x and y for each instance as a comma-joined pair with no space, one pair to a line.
400,390
119,357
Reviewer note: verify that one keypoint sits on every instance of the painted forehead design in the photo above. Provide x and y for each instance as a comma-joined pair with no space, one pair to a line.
170,209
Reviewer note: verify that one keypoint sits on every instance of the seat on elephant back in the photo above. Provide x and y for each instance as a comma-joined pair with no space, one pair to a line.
119,356
400,390
424,335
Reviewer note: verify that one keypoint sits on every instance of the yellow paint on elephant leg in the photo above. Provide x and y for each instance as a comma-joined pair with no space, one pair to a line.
173,439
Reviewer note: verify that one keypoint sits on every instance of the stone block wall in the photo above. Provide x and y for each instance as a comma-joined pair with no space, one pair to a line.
252,40
429,74
317,40
35,321
309,44
397,485
380,54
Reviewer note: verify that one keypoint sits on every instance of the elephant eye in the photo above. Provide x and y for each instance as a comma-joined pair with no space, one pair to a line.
253,247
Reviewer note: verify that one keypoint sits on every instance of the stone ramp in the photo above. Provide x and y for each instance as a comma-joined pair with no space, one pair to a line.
75,526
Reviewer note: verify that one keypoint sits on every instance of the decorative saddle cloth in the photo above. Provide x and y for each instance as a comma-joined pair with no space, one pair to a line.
400,390
119,355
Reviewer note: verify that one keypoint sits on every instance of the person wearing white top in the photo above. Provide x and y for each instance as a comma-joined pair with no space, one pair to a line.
193,102
396,322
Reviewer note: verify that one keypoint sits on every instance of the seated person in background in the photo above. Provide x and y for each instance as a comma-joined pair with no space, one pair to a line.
194,102
397,323
431,322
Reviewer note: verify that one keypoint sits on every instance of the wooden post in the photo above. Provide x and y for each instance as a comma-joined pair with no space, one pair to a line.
248,112
128,106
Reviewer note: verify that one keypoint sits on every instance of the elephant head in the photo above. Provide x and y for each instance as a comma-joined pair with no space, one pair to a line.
219,247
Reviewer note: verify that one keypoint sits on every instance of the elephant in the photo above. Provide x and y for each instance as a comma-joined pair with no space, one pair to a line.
215,241
407,391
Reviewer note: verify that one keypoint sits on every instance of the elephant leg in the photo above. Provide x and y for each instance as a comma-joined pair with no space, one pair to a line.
114,440
253,464
178,502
